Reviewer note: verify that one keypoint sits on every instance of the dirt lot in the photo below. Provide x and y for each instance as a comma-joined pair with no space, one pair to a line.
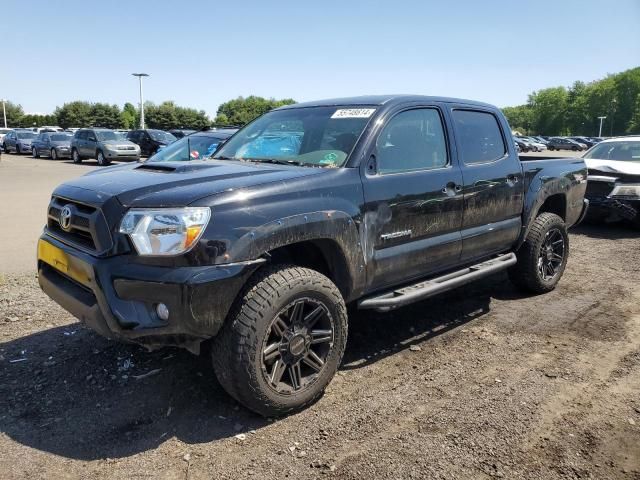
480,383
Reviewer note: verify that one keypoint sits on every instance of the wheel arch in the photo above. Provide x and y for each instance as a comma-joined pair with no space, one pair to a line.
327,241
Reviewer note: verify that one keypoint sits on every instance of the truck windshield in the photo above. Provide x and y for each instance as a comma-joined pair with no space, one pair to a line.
628,151
191,147
312,136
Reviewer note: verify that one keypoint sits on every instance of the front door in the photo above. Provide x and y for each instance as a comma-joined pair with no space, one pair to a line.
493,186
413,199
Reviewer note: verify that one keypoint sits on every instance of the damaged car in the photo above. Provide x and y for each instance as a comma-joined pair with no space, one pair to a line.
613,187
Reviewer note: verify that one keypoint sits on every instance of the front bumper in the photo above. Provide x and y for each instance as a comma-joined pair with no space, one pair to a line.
122,154
117,297
63,153
612,209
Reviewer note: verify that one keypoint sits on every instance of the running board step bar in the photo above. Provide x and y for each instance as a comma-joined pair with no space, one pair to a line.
425,289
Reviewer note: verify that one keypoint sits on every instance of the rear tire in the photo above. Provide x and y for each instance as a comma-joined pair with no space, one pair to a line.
543,256
283,340
75,156
34,153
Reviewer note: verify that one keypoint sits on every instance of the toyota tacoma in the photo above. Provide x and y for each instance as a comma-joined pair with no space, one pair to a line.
372,202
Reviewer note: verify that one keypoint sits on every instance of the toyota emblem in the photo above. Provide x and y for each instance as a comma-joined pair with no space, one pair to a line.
65,218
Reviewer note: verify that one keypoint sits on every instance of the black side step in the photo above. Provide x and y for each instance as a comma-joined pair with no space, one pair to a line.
425,289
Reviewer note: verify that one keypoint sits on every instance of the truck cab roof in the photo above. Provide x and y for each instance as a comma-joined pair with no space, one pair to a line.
379,100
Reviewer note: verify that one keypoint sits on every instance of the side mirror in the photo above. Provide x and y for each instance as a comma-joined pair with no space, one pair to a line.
92,139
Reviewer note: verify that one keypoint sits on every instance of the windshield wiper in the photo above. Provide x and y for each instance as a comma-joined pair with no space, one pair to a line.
279,161
222,157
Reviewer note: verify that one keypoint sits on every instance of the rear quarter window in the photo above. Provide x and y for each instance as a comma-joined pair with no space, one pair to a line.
479,136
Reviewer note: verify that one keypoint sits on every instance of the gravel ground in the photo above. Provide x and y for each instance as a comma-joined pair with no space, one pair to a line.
481,382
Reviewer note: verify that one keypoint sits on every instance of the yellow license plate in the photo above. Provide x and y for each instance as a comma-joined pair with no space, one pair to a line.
62,261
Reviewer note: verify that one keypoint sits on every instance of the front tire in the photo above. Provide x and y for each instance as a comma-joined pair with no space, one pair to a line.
34,153
75,156
102,160
53,154
283,340
543,256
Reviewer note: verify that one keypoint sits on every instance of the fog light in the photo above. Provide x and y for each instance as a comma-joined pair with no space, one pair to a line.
162,311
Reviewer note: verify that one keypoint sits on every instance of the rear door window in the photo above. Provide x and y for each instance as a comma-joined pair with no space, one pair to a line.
479,136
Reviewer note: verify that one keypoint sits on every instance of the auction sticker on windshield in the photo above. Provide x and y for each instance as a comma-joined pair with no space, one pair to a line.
353,113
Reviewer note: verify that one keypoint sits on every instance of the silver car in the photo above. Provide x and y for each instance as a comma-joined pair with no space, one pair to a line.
18,140
102,144
51,144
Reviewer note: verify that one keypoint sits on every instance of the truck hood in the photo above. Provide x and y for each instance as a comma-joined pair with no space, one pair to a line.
613,166
174,184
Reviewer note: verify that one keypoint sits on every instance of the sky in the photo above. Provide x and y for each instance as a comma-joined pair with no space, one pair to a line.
202,53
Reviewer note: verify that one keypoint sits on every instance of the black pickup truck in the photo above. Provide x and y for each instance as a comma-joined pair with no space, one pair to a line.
373,202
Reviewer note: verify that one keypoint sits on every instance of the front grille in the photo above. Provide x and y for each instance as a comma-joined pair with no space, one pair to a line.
87,226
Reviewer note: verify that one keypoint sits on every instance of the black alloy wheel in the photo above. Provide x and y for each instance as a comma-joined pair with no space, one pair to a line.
551,254
297,346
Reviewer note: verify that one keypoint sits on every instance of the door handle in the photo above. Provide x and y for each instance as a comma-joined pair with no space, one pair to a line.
451,188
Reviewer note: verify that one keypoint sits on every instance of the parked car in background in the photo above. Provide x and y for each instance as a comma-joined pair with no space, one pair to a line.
18,140
3,132
537,145
150,140
522,145
181,132
540,139
52,144
48,128
584,140
197,146
613,184
102,144
560,143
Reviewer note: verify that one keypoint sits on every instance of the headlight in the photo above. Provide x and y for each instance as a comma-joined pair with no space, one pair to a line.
165,231
628,190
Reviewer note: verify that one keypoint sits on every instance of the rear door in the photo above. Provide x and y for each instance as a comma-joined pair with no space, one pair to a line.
413,204
493,186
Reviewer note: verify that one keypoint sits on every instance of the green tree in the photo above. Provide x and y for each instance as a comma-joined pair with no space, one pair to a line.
129,117
578,120
519,118
627,88
634,123
168,115
241,111
74,114
34,120
558,110
14,113
105,115
549,110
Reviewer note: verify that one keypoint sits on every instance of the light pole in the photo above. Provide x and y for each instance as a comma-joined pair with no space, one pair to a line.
613,111
600,131
140,75
4,113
